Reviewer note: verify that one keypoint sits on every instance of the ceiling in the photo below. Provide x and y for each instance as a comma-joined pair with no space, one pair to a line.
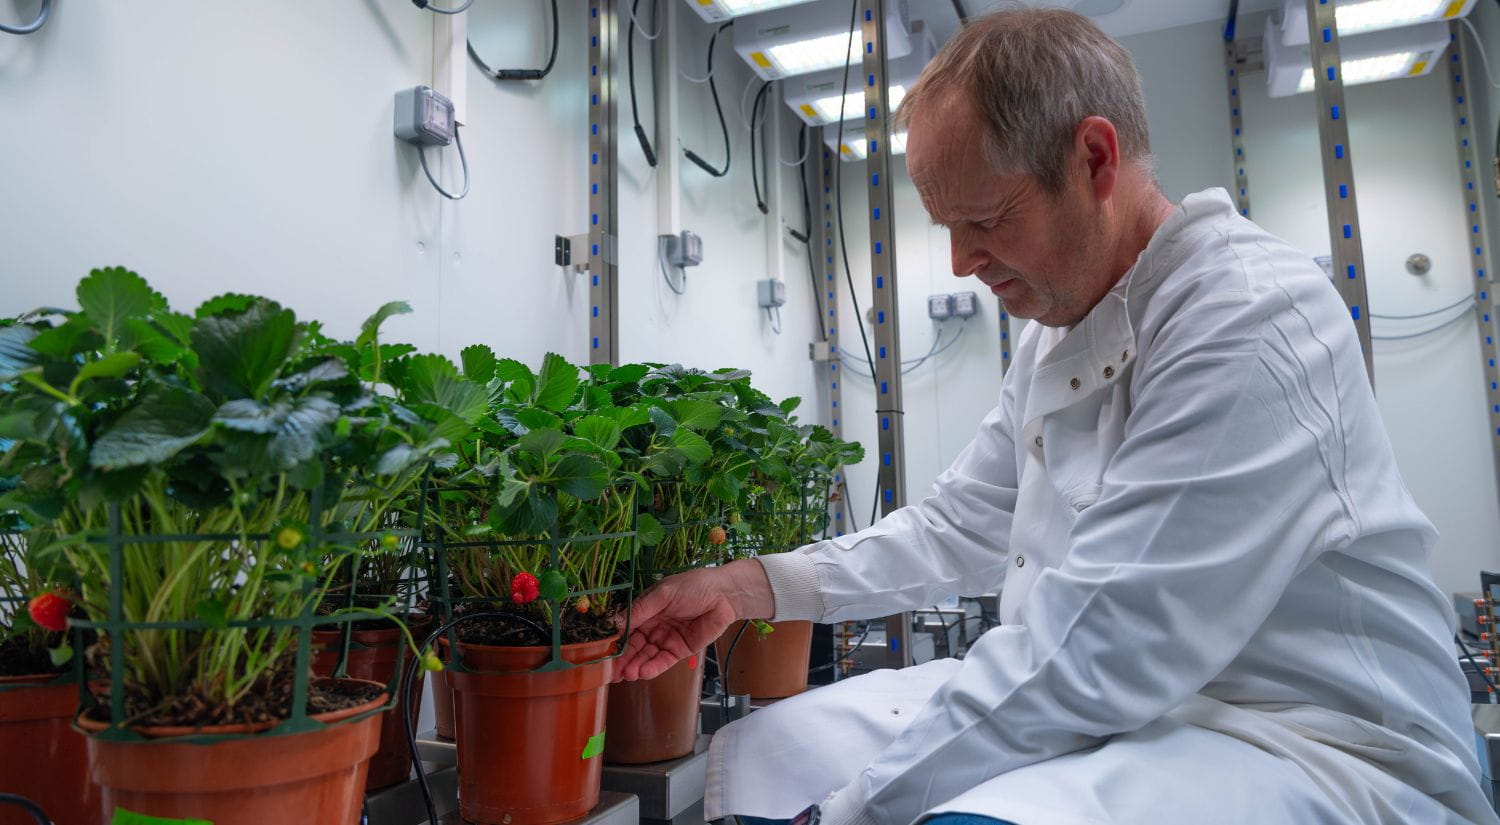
1132,16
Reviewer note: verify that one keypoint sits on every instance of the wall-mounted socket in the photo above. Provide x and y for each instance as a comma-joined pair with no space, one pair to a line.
770,292
683,249
939,307
820,351
965,304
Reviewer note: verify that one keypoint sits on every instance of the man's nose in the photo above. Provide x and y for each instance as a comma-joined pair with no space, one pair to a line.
967,258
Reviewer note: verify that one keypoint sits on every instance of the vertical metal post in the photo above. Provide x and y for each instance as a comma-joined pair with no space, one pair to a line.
889,410
1479,240
1338,172
1004,340
604,288
1236,127
820,163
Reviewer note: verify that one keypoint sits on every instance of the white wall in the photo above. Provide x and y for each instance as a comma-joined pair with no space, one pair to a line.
1430,389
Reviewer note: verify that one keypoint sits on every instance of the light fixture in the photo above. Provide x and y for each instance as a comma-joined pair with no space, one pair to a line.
715,11
815,97
1367,58
1361,16
856,146
812,37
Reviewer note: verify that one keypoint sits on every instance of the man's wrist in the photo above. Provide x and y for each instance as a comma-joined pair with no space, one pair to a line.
751,590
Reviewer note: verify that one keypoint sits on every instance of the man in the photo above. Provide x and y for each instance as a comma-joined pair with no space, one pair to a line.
1215,597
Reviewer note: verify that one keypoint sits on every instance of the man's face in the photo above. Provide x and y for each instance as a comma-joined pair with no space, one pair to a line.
1043,254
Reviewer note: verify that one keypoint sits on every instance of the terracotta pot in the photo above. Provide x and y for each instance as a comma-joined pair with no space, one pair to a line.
442,708
43,758
769,667
318,776
529,744
372,656
655,720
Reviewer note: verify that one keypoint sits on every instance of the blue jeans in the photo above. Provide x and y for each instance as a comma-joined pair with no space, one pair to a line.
940,819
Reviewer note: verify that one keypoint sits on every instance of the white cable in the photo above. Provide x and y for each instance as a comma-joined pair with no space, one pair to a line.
806,147
462,158
776,321
1488,75
661,263
660,25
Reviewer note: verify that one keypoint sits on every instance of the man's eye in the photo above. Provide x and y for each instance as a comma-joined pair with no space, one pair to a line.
989,224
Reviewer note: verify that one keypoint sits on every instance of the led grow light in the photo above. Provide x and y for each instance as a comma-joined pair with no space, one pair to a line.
1367,58
856,146
812,37
715,11
815,97
1361,16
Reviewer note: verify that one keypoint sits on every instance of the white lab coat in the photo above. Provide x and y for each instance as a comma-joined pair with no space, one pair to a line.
1215,598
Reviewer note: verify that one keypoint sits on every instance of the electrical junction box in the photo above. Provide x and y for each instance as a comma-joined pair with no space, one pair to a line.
939,307
683,249
820,351
424,117
771,292
965,304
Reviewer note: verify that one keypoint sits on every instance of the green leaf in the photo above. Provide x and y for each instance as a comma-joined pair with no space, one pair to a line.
541,442
226,304
239,355
16,356
395,459
100,487
552,584
581,476
326,371
629,373
533,419
110,296
598,430
68,338
648,530
665,423
790,404
724,487
432,379
166,420
297,428
213,612
693,447
370,329
541,509
594,746
306,476
479,363
557,384
696,415
60,655
151,342
113,365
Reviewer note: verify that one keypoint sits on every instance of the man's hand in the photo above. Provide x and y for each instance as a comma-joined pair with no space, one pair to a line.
685,613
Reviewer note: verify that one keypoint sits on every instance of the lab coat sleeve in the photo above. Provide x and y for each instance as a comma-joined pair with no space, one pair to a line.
1226,485
954,541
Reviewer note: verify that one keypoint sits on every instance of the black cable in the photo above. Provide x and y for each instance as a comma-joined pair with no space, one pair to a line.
1464,646
760,98
838,188
847,655
35,25
963,16
812,266
724,674
521,74
26,805
409,679
427,4
713,89
635,114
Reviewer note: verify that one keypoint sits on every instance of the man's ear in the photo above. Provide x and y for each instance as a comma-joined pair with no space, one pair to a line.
1097,146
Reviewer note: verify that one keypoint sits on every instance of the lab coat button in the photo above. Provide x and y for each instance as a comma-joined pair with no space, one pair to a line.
1109,372
1039,441
1020,561
1075,383
1125,356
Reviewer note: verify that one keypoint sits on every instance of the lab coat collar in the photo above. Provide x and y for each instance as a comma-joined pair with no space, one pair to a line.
1099,350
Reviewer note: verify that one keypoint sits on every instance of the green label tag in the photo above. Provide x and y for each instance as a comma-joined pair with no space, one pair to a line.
124,817
595,746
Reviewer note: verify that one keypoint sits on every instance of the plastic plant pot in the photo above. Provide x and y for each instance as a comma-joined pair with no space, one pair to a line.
316,776
773,666
657,719
43,758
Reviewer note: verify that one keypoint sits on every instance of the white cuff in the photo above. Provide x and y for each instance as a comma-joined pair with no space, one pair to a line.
846,807
794,585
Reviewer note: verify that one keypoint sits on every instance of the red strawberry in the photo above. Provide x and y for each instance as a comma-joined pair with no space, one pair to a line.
50,610
716,535
524,588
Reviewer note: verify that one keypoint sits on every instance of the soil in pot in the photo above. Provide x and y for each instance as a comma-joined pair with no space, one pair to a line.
530,744
44,759
772,666
374,650
318,776
657,719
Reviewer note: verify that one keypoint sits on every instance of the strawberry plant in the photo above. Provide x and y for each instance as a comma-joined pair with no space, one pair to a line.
237,454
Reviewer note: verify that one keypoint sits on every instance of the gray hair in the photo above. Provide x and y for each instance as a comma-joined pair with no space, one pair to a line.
1034,75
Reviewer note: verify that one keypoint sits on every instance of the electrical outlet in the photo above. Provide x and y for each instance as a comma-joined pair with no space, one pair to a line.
684,249
939,307
770,292
424,117
820,351
965,304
